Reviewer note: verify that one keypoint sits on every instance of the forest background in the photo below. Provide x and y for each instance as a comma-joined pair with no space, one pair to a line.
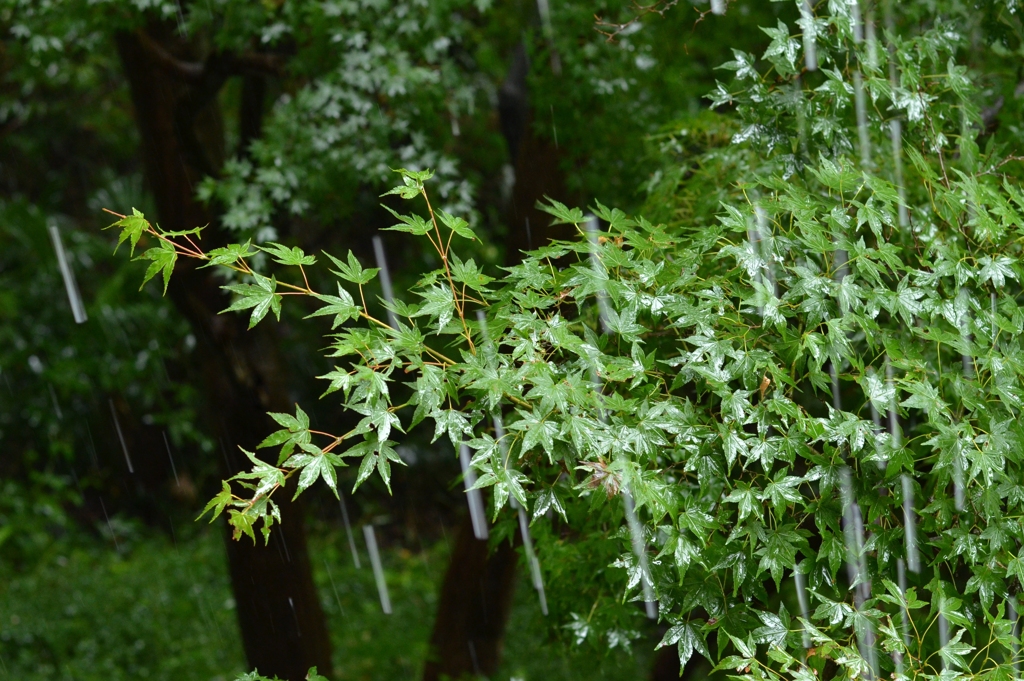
282,122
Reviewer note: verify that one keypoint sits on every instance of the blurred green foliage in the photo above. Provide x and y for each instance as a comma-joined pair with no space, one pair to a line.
152,607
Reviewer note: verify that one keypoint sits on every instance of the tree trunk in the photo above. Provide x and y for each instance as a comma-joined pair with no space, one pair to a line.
283,628
473,609
537,164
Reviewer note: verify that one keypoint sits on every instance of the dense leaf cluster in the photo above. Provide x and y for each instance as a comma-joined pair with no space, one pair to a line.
806,400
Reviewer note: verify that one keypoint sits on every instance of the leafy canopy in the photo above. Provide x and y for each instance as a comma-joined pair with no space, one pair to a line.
807,398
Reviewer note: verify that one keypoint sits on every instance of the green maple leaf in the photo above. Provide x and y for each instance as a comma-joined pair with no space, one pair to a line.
953,653
412,224
218,503
997,269
452,422
926,397
562,213
267,477
688,638
242,522
440,303
288,256
163,258
132,227
412,183
545,501
315,464
311,675
353,271
468,273
295,433
229,255
783,49
536,430
341,306
457,225
261,297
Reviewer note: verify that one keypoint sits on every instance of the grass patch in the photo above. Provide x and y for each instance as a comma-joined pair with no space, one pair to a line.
161,610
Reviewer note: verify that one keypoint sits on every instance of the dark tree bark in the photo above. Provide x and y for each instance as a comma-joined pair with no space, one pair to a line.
537,164
666,665
473,609
283,628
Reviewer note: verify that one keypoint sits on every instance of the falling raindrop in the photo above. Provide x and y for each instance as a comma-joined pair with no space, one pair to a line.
810,36
855,21
966,360
968,366
224,453
473,496
801,598
182,28
524,524
856,565
896,440
837,400
894,425
120,436
378,569
635,530
876,419
764,245
603,309
385,280
896,125
110,528
896,135
298,629
92,447
754,242
1011,614
531,556
337,598
870,39
70,285
943,635
860,104
544,9
554,129
56,404
910,524
348,529
901,580
170,456
640,551
801,115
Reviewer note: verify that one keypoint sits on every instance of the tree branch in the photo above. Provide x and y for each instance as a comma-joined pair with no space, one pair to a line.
231,64
187,70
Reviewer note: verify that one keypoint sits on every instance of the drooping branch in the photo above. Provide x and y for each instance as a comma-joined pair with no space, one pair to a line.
190,71
259,63
611,29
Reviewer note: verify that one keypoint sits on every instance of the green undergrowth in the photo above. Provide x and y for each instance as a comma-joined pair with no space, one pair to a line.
153,608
